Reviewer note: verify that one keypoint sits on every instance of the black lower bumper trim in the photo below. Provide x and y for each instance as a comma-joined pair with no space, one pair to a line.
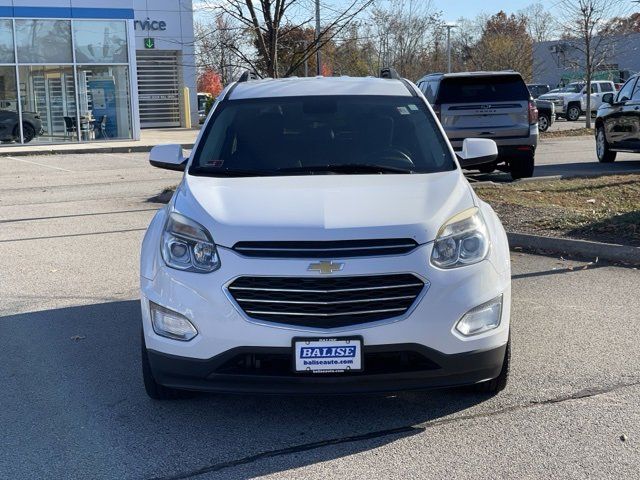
441,370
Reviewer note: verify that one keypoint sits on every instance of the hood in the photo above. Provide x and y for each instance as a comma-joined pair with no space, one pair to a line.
555,95
323,207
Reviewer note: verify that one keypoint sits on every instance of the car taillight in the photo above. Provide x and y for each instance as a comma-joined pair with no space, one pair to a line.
533,113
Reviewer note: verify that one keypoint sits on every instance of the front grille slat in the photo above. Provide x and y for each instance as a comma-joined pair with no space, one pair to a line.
326,302
315,314
323,249
338,302
293,290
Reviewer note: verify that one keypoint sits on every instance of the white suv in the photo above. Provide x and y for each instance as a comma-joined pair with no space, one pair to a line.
323,239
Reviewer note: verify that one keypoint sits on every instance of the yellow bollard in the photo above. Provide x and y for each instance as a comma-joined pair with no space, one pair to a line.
186,107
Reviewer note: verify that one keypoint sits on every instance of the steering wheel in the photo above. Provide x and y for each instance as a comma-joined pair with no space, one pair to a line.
393,157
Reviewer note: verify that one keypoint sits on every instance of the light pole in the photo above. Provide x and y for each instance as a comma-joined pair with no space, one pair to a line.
449,26
318,59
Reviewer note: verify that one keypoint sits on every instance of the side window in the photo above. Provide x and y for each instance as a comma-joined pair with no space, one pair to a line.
427,89
636,93
433,87
626,91
594,88
606,87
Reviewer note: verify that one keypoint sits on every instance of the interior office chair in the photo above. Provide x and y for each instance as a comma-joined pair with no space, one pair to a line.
70,126
102,127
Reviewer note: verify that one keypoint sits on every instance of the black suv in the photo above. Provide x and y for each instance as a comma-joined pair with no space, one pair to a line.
538,89
495,105
618,122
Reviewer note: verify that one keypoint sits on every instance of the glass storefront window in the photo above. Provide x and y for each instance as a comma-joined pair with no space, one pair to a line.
6,42
104,99
44,41
100,41
64,95
47,93
9,120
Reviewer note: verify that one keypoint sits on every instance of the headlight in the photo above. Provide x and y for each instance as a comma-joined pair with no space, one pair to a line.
187,245
481,318
170,324
462,240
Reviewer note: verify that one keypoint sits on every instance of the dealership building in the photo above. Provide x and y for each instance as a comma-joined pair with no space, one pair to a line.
558,62
95,70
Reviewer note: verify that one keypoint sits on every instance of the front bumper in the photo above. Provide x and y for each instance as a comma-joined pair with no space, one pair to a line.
428,327
214,374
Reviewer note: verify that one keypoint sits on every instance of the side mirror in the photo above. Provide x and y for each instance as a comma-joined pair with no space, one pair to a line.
169,157
476,151
607,98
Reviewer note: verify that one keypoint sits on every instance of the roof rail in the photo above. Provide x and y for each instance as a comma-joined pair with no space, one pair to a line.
248,75
389,72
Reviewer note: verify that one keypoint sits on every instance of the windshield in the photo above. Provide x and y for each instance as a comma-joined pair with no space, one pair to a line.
322,135
573,88
476,89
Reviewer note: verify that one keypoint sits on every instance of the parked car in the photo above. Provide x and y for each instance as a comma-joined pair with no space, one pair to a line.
546,114
571,101
10,126
203,98
538,89
494,105
323,239
618,122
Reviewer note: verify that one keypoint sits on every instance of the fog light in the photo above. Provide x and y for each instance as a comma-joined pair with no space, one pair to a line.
481,318
170,324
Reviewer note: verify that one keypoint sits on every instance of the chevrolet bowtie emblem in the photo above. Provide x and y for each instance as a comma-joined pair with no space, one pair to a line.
325,267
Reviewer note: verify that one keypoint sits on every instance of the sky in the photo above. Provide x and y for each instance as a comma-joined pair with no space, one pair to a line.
454,9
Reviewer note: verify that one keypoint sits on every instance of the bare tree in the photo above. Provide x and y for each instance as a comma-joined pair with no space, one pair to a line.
581,23
540,22
264,21
404,33
217,44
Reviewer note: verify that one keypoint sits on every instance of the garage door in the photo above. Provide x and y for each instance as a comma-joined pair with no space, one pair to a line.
158,88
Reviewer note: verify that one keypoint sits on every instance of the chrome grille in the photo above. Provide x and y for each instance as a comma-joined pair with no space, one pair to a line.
326,302
339,249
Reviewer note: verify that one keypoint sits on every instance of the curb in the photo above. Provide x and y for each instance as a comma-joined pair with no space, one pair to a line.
114,149
581,248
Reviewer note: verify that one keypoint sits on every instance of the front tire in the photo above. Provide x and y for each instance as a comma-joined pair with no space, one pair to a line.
28,131
500,382
573,113
154,389
605,155
544,121
522,167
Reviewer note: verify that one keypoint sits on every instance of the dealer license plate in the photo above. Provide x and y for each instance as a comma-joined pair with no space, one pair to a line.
328,355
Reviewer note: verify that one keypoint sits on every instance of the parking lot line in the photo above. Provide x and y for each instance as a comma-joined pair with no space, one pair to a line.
39,164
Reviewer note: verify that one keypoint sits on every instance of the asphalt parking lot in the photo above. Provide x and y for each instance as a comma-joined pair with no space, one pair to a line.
569,156
73,406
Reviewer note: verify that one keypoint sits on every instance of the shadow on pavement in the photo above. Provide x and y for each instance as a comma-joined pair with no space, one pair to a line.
590,169
73,402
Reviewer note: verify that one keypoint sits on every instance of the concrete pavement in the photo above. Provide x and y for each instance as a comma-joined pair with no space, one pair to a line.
73,405
148,139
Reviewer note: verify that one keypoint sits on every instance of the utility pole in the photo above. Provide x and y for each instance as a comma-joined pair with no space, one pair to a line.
449,26
318,59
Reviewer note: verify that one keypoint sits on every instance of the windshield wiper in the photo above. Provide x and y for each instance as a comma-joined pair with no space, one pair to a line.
346,168
230,172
